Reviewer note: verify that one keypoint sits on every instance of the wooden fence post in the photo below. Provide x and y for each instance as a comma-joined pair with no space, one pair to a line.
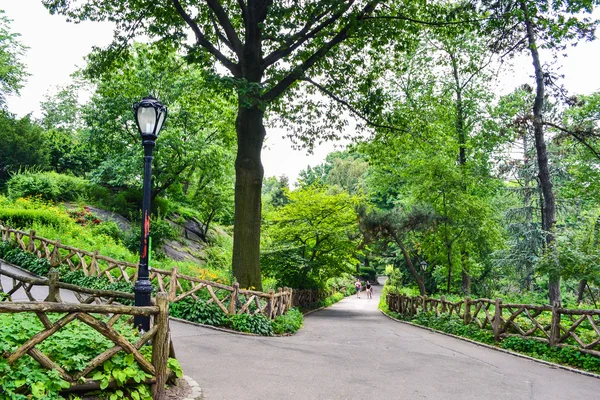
31,244
271,306
554,325
443,300
290,298
424,306
173,284
497,325
55,257
160,346
53,289
234,298
279,302
467,311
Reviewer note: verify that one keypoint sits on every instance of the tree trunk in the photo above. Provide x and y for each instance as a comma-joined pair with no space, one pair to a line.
462,162
466,278
249,176
527,279
411,267
581,290
549,206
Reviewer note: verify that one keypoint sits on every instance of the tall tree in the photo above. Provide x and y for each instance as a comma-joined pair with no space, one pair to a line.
528,26
12,69
266,46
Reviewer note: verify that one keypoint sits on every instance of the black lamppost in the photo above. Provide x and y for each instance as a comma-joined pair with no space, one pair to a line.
423,269
149,117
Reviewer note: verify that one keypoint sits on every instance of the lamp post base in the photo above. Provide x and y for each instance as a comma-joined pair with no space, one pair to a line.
143,291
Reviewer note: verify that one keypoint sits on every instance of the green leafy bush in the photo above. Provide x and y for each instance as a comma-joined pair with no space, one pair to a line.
160,231
53,186
27,379
198,311
330,300
566,355
28,261
23,218
368,274
289,322
257,323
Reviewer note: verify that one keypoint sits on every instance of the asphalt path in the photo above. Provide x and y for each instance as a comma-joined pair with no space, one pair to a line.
351,351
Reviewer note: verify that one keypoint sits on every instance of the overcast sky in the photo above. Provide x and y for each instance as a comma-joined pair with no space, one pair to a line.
57,47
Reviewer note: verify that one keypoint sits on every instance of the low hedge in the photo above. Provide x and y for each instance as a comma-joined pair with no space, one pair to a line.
23,218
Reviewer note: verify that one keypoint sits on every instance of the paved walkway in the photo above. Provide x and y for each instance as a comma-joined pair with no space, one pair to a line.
352,351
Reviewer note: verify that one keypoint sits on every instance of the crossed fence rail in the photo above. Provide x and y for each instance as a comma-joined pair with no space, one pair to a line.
554,325
230,299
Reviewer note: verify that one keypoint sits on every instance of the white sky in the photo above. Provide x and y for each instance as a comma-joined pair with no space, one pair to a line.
57,47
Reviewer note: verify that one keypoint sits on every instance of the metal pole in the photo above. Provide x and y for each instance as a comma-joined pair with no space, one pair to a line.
143,286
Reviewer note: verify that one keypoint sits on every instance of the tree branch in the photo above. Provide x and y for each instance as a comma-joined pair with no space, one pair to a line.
303,36
202,41
577,135
297,72
350,107
216,7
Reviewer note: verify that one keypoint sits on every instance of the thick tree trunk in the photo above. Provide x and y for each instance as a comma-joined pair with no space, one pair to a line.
549,205
581,290
249,176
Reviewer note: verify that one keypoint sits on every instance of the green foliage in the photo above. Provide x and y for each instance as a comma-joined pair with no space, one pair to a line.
368,274
12,70
22,219
53,186
160,231
28,261
27,379
290,322
309,240
331,300
453,325
257,323
566,355
198,311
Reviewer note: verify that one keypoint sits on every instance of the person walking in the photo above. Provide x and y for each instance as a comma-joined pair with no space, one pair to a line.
357,285
369,290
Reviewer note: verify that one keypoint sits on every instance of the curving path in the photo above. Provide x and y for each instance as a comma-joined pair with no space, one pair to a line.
352,351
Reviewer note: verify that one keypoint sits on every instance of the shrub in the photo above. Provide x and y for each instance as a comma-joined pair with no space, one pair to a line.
368,274
257,323
160,232
289,322
198,311
25,218
28,261
53,186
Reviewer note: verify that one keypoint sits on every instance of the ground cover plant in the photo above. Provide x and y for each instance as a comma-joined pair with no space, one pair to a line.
454,325
26,379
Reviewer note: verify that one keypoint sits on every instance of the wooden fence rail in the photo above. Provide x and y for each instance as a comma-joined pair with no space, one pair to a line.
554,325
230,299
92,315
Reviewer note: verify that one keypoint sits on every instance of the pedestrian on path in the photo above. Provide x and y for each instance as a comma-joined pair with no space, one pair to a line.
369,290
357,285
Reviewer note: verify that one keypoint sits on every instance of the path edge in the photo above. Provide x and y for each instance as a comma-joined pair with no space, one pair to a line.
514,353
196,391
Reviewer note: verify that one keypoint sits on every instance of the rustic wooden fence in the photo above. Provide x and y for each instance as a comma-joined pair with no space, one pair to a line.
230,299
554,325
82,294
93,315
308,297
